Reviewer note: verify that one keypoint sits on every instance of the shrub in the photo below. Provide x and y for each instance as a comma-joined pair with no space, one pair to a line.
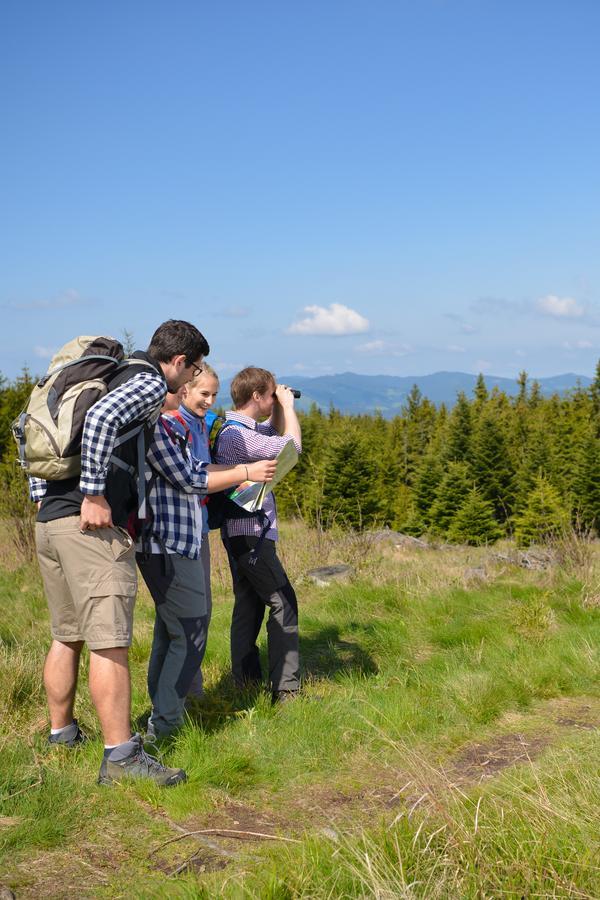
17,509
545,516
474,523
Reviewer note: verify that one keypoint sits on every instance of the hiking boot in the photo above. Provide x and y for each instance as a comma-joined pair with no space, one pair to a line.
78,738
139,764
285,696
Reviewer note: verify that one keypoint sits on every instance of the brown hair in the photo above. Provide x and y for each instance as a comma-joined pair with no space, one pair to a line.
176,337
249,380
207,369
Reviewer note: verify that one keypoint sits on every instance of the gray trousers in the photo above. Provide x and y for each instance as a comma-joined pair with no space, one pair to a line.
197,686
176,584
256,588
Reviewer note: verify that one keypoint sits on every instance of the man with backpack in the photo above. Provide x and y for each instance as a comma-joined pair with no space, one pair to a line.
87,556
259,579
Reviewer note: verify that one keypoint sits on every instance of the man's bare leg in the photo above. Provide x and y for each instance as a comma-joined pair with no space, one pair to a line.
60,680
110,688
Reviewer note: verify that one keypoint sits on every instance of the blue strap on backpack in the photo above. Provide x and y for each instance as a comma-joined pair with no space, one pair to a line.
220,506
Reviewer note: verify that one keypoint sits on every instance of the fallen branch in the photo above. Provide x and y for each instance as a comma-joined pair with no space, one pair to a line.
227,832
25,789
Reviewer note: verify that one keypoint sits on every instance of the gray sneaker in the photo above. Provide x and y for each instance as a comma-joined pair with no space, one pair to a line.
58,740
139,764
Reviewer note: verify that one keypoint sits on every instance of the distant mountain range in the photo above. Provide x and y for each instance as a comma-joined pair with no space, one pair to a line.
351,393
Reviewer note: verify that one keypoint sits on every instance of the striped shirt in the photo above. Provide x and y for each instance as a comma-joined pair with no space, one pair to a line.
248,444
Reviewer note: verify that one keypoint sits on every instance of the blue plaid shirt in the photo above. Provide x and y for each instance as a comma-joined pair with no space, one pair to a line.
179,476
139,398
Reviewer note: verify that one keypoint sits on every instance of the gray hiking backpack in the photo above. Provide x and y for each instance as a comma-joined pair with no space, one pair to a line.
49,430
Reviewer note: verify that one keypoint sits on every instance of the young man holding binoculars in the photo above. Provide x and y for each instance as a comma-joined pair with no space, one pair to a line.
265,421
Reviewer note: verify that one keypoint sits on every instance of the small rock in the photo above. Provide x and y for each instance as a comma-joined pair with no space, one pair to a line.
398,538
475,573
6,893
326,574
536,559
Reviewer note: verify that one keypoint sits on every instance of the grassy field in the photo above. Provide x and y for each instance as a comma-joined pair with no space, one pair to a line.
447,745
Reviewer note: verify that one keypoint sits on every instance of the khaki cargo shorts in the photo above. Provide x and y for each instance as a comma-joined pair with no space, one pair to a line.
90,581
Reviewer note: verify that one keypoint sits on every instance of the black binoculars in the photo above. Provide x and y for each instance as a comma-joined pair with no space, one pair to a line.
296,393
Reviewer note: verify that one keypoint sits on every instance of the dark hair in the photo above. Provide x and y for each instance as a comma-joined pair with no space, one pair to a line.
247,381
176,337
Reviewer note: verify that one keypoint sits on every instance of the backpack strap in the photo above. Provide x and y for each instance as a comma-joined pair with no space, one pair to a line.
76,362
139,470
19,433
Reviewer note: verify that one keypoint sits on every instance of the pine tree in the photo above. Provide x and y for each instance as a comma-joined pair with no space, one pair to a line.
586,481
392,493
299,494
491,463
450,496
349,481
595,397
481,391
545,516
474,523
458,432
522,383
425,487
535,395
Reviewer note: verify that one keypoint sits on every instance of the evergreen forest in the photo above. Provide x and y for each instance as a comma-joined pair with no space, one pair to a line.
493,465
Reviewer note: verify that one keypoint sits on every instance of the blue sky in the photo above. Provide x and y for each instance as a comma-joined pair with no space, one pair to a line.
380,187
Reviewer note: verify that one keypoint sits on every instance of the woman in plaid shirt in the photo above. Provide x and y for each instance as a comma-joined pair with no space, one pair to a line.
169,559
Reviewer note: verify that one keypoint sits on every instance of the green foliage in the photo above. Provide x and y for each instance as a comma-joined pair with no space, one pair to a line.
364,471
457,446
348,481
545,516
426,486
17,509
13,399
474,523
491,464
450,496
586,479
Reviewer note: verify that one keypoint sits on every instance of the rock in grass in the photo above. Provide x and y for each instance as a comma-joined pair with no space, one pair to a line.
6,893
398,538
326,574
475,573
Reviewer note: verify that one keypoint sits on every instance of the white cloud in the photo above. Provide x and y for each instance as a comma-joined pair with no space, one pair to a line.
234,312
68,298
371,347
455,348
494,306
464,327
45,352
577,345
483,365
335,320
384,348
559,307
222,367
